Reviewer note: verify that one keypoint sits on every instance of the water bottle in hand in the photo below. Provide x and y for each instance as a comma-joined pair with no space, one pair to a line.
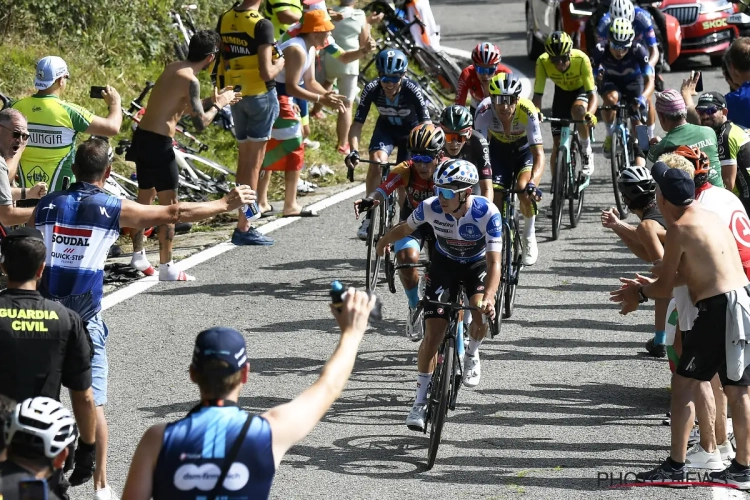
338,294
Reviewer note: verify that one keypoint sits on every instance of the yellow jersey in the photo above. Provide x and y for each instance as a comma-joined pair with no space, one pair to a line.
578,74
524,127
242,33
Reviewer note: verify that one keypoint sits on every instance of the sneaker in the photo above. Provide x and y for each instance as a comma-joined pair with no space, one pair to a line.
698,458
663,474
656,350
588,163
362,232
105,493
530,251
726,450
607,148
414,331
734,475
415,419
472,370
251,237
311,145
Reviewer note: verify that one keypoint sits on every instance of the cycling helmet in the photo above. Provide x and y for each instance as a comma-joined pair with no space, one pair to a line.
486,54
456,174
505,84
558,43
621,32
426,138
41,424
391,62
622,8
697,158
456,119
635,181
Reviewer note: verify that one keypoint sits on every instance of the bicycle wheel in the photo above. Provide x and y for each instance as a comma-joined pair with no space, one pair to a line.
560,190
504,280
575,197
618,164
439,398
515,269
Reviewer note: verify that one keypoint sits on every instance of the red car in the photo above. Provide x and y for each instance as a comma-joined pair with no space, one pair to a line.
704,26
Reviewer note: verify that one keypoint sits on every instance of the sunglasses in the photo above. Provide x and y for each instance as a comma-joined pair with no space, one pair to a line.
447,194
486,70
455,137
390,78
422,158
504,99
707,111
559,59
617,46
17,135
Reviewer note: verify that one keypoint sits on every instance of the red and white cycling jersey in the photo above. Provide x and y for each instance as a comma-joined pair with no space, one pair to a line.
468,83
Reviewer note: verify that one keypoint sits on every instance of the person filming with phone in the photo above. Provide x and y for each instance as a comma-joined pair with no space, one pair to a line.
55,125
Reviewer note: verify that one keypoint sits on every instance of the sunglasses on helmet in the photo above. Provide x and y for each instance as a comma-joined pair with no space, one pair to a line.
390,78
486,70
446,193
504,99
422,158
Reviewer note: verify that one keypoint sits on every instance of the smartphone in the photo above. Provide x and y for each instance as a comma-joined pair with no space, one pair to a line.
33,489
277,50
96,92
642,131
699,83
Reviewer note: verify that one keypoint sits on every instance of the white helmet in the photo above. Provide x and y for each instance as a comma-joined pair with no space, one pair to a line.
42,424
456,174
621,32
622,8
635,181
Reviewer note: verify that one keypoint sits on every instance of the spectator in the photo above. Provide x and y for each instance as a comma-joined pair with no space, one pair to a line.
176,92
672,113
703,249
646,240
7,406
79,226
56,124
287,153
30,369
248,59
39,433
282,13
220,369
13,137
738,67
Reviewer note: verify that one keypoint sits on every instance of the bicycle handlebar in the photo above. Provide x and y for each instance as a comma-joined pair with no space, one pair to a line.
350,170
451,306
551,119
381,163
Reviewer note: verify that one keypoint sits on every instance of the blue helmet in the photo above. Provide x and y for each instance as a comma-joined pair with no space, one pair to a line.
391,62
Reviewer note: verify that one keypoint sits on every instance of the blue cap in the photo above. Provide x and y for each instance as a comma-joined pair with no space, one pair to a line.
222,343
676,185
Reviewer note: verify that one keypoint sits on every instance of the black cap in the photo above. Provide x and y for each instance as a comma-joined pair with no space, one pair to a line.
676,185
711,99
225,344
22,232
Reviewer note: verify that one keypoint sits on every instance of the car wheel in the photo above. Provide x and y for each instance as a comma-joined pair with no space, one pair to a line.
534,47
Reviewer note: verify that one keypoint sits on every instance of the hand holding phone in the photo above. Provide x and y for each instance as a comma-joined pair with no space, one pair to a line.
699,84
96,92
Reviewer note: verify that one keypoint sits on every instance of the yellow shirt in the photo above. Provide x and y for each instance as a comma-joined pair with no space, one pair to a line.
577,75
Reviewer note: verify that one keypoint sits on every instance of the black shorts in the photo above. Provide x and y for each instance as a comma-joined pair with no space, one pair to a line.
508,160
627,90
562,102
704,348
155,163
443,279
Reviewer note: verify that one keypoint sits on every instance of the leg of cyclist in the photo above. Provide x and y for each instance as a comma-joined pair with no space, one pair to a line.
379,153
407,252
477,332
500,172
610,97
578,112
530,249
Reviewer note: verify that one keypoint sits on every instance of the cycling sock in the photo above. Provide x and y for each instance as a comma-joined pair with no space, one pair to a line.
141,263
423,381
528,226
473,346
413,296
660,337
586,144
170,272
650,131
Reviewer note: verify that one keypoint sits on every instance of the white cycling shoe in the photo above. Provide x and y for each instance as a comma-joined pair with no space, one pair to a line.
414,331
415,419
362,232
530,251
588,163
472,370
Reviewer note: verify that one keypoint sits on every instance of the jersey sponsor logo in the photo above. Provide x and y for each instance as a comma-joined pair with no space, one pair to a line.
418,195
70,236
204,477
235,39
435,206
103,211
495,226
42,138
419,213
37,175
470,232
479,209
386,111
740,226
703,144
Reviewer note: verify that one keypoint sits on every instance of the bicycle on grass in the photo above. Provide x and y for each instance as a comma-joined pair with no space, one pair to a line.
569,181
448,374
381,222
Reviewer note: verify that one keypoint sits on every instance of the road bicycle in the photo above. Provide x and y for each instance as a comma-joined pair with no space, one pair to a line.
448,374
185,29
381,221
569,182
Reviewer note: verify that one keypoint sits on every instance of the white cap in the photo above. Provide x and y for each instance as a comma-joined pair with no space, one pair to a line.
48,70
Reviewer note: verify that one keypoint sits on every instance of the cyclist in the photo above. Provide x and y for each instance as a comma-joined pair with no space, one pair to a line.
465,143
475,79
626,75
468,233
425,144
511,125
401,106
575,91
733,145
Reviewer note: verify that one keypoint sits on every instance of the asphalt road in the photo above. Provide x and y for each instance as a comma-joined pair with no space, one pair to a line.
567,393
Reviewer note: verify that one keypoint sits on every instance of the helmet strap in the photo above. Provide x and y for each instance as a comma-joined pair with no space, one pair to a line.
461,202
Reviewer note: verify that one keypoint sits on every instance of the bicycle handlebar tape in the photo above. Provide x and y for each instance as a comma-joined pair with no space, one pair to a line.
338,294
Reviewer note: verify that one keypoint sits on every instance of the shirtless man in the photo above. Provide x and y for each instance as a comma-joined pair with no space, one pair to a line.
176,93
699,251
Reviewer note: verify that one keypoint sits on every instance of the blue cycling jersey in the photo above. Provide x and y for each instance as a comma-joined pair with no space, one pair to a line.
407,109
193,452
642,25
631,67
738,103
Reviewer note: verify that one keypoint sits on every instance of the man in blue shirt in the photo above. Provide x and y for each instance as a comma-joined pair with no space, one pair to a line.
738,66
186,459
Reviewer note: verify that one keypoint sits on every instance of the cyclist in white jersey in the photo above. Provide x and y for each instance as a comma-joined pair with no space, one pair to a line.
468,234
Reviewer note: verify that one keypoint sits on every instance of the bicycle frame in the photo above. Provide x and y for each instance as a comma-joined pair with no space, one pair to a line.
566,137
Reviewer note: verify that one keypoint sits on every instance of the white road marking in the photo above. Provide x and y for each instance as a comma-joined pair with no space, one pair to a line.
144,284
465,54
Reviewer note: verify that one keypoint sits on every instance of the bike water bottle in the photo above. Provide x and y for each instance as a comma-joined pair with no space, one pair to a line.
338,294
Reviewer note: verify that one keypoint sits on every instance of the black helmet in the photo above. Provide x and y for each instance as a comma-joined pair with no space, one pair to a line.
456,119
426,138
